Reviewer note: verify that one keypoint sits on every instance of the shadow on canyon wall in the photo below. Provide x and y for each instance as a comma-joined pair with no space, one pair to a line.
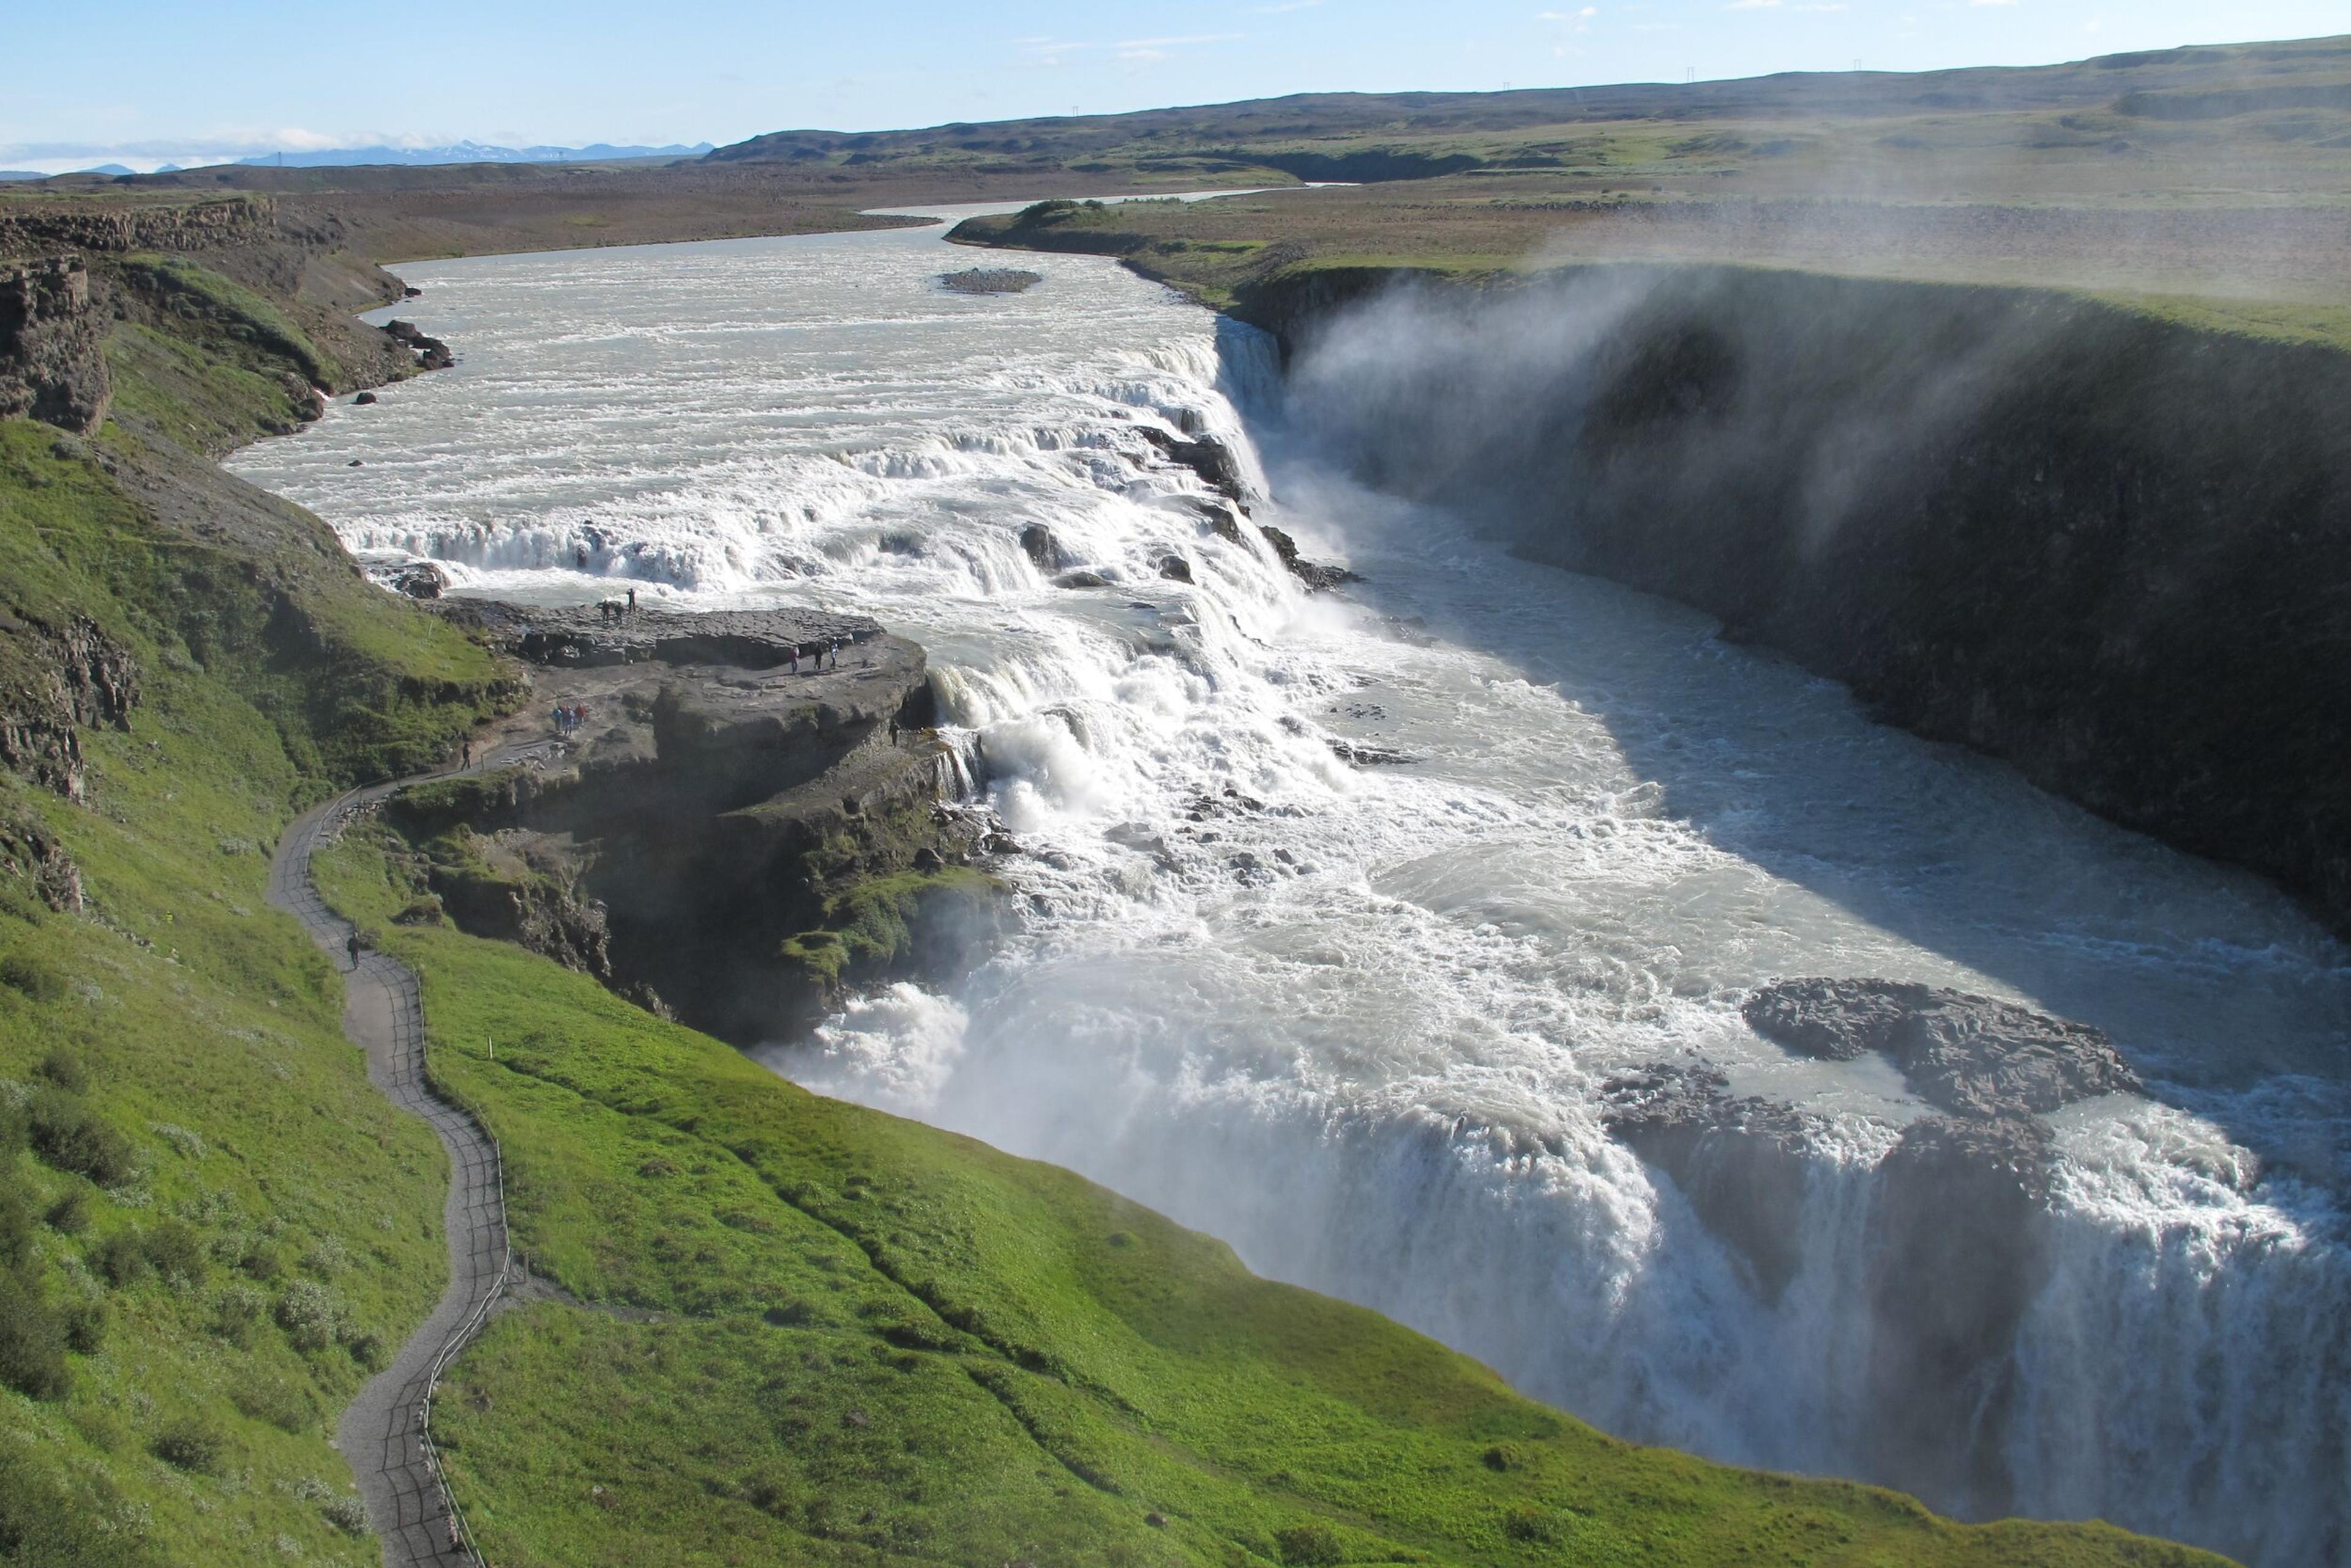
2110,550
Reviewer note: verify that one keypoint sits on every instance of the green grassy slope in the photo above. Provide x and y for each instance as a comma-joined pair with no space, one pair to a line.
212,1226
775,1328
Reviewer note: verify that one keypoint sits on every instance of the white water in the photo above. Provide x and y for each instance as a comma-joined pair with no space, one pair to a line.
1359,1033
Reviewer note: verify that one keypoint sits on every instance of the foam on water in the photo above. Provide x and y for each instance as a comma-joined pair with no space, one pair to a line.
1356,1020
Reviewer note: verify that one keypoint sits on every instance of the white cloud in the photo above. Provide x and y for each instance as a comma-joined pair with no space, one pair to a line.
1752,5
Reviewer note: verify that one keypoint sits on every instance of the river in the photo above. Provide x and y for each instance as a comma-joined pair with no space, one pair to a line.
1357,1019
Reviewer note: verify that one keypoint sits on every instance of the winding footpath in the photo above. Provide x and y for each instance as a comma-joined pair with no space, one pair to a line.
384,1433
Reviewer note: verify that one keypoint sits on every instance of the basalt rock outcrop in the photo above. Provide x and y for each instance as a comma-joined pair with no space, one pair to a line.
1205,456
1316,575
1958,1241
1225,519
1969,1055
146,227
990,280
718,835
30,853
55,681
52,337
432,353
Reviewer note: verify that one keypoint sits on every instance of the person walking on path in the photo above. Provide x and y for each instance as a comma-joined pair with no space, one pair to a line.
351,946
465,752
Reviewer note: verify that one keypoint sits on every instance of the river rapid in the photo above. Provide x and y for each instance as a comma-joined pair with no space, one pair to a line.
1357,1019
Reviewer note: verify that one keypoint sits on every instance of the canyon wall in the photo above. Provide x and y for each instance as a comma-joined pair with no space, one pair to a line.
2110,548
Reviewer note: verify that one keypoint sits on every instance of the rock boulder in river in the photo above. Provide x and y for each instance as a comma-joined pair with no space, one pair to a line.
1207,456
1043,550
1969,1055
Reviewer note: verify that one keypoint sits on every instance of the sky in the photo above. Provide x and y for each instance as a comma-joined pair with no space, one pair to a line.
185,81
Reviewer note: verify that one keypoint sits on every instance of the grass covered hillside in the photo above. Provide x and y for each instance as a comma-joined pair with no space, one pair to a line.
212,1228
767,1327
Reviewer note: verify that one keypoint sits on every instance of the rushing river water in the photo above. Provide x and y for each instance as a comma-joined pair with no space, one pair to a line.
1356,1019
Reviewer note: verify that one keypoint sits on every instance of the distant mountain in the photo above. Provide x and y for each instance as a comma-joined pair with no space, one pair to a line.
22,175
468,152
1300,134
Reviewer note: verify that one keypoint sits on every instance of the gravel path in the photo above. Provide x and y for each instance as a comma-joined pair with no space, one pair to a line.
383,1432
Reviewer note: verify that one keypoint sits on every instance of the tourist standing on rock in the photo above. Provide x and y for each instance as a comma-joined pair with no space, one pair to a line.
632,601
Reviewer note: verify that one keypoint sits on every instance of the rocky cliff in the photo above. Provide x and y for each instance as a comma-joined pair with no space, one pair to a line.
52,353
730,835
121,226
2109,547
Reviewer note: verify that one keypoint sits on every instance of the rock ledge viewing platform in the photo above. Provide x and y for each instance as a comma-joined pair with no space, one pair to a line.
587,634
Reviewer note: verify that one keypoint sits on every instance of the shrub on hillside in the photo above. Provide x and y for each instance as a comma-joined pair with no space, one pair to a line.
46,1519
283,1404
15,1223
32,1341
235,1311
68,1135
1308,1546
69,1214
67,1070
121,1259
176,1252
347,1514
193,1444
1528,1525
310,1315
24,972
85,1327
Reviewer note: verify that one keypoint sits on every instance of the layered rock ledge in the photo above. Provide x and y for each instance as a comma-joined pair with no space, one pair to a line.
718,836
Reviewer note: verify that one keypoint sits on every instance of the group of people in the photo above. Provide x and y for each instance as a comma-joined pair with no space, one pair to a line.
818,656
569,717
615,610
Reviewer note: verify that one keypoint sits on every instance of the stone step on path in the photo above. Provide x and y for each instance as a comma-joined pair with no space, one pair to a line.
384,1434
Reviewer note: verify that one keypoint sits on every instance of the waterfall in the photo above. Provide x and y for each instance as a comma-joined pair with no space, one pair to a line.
1361,1021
